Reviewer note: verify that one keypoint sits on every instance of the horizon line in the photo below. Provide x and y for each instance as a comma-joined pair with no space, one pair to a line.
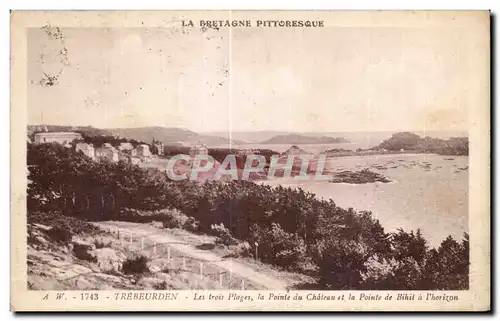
264,130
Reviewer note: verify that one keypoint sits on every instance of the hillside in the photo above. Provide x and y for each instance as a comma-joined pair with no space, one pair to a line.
86,130
300,139
98,256
168,135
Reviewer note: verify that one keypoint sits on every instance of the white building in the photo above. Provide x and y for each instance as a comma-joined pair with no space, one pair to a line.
107,152
62,138
142,151
87,149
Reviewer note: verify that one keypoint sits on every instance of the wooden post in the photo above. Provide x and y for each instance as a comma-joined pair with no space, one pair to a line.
142,243
184,262
242,284
201,270
154,248
220,279
168,254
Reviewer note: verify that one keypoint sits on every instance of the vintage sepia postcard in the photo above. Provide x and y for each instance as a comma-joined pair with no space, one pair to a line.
250,161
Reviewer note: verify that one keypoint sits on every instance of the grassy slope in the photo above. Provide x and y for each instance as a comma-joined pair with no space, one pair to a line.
54,267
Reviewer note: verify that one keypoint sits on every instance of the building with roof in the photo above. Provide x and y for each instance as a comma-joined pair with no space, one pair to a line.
87,149
63,138
142,151
107,152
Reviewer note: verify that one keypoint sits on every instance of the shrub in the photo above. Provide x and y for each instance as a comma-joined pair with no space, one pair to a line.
99,244
242,249
84,250
223,234
173,218
57,219
161,286
60,234
136,265
276,246
412,267
192,224
340,262
383,274
447,268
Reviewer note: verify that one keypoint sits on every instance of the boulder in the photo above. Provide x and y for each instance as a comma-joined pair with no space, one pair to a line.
152,283
42,227
41,240
154,268
108,260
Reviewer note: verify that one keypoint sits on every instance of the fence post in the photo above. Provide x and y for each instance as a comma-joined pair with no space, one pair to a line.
220,279
201,270
142,243
168,254
242,284
154,248
184,262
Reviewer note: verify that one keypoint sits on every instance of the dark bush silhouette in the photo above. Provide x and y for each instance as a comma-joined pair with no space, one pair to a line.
136,265
60,234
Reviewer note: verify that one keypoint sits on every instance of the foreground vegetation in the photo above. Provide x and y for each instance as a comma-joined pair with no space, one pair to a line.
286,227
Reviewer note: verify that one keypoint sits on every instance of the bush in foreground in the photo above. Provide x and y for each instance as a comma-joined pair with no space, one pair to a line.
136,265
276,246
60,234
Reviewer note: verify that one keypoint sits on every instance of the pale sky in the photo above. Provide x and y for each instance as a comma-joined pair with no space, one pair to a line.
321,79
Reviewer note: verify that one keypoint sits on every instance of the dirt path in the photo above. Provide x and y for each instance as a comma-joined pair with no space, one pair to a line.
162,237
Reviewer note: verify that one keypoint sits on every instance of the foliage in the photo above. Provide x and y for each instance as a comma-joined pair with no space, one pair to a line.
223,234
411,266
136,265
100,244
63,180
60,234
274,245
99,140
350,249
75,225
172,150
174,219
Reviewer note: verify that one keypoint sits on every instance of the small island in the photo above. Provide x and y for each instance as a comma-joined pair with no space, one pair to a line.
295,139
358,177
410,142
